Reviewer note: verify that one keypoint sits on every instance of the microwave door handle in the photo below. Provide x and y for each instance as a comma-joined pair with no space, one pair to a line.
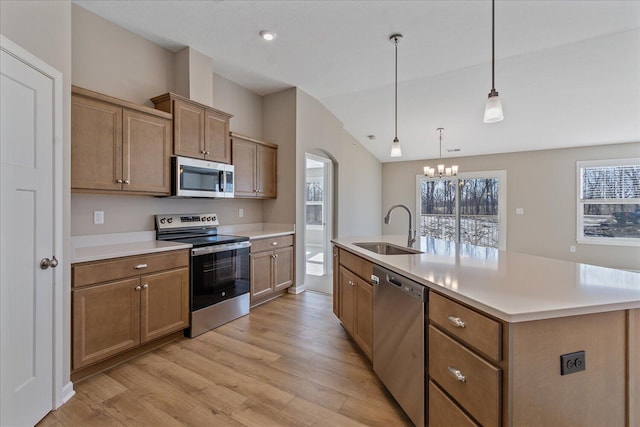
221,180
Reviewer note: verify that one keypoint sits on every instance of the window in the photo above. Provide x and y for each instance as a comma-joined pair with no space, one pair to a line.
466,209
609,202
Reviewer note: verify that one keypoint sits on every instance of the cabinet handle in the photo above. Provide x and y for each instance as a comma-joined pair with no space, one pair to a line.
274,243
119,181
273,256
456,321
145,286
138,288
126,181
203,152
139,266
276,255
457,374
206,152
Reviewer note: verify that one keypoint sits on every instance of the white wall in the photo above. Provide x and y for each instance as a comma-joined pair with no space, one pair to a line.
44,29
114,61
543,183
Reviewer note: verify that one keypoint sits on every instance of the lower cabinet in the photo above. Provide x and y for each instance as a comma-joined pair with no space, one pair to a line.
113,316
356,309
353,297
272,262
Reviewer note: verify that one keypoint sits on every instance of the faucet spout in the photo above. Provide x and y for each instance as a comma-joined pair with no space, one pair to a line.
411,239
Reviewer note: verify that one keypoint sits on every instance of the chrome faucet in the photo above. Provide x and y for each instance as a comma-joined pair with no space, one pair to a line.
412,234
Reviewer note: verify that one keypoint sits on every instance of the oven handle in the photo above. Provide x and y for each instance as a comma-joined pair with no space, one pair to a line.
219,248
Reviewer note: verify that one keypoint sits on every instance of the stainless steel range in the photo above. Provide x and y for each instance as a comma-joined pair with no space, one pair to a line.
219,284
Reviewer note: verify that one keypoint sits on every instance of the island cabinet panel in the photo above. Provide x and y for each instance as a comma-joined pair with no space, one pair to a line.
272,267
255,165
122,307
594,397
353,303
117,146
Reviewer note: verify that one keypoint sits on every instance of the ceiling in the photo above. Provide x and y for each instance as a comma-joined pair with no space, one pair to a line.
568,72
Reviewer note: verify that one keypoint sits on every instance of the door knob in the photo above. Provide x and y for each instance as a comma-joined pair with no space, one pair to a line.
46,263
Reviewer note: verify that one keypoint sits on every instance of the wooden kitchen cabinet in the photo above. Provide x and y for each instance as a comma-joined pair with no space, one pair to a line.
353,303
199,131
272,267
117,146
336,280
122,306
255,167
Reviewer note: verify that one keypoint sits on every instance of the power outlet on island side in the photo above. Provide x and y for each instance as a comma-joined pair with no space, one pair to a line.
572,362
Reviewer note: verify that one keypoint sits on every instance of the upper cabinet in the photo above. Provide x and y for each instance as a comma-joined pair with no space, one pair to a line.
255,164
118,146
199,131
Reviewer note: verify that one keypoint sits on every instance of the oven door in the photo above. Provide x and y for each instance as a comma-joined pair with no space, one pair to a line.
218,273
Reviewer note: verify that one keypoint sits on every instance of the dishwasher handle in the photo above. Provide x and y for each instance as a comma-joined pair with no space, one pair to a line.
394,281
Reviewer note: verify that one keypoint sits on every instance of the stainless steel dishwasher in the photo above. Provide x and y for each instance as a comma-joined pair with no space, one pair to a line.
399,340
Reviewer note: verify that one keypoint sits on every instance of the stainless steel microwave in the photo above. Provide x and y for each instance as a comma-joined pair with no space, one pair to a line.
201,178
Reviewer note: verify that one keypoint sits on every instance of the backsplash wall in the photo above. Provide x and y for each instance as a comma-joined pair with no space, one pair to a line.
136,213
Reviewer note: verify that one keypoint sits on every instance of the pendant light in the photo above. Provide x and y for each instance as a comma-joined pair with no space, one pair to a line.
493,109
396,151
441,168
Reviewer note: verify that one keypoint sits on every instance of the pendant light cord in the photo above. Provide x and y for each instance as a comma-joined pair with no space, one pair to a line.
493,45
396,88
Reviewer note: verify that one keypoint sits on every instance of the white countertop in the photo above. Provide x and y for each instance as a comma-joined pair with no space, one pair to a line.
105,246
511,286
258,231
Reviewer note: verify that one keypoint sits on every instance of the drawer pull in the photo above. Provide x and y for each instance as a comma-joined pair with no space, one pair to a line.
274,243
140,266
457,374
145,286
137,288
456,321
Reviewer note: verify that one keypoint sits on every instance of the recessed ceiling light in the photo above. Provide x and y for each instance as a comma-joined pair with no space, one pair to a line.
267,35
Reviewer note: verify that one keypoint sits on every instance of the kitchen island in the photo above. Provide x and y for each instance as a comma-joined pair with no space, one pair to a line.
508,318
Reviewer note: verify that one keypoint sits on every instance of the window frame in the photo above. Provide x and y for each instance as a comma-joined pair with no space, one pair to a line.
501,175
609,241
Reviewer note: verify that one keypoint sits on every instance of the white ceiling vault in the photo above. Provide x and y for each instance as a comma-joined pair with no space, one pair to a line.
568,72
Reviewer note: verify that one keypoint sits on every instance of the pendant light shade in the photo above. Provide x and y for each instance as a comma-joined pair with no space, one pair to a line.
493,110
396,151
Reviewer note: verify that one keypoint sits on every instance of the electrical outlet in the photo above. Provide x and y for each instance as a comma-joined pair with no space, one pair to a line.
519,211
572,249
572,362
98,217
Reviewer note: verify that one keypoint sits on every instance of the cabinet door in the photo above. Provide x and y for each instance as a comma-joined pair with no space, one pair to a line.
106,321
188,129
363,330
266,161
336,281
96,145
347,299
216,137
164,303
146,149
244,160
283,268
261,274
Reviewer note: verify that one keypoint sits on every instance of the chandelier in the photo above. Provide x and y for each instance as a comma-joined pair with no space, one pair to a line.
442,170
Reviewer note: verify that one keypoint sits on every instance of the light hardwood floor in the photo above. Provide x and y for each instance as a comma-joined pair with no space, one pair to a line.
288,363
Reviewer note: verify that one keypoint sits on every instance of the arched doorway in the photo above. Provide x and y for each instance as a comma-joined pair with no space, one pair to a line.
318,222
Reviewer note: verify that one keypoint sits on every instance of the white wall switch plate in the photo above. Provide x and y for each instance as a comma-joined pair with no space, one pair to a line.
519,211
240,212
98,217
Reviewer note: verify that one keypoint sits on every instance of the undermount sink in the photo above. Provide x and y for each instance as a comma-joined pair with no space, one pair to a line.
382,248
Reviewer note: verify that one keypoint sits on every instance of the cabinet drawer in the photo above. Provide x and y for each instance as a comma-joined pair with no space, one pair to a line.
475,329
360,266
478,390
103,271
443,412
271,243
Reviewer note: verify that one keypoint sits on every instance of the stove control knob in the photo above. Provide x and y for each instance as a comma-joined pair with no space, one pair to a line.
203,219
208,218
162,220
169,220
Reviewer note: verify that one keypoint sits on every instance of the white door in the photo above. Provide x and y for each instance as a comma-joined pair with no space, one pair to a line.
27,227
